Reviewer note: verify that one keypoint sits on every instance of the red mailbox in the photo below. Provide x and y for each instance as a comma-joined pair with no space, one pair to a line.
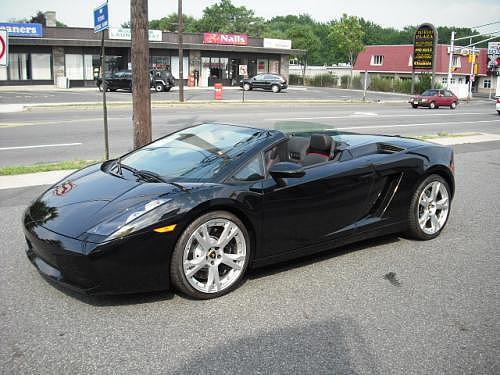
218,91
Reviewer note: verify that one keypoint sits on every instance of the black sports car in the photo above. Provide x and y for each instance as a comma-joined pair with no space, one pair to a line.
196,208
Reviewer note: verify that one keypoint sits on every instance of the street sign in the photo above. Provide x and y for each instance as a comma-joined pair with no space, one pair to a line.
101,21
4,48
493,48
243,70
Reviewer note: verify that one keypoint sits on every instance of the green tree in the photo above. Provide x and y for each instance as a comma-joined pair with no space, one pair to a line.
169,23
348,35
224,17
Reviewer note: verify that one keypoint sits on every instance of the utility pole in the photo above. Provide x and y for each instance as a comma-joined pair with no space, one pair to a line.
181,51
141,89
104,105
452,46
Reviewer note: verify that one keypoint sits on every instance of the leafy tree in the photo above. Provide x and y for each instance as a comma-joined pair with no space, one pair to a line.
224,17
169,23
347,34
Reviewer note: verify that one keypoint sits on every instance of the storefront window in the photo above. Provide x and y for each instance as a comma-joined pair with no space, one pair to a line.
262,66
3,73
74,66
274,66
40,66
175,67
159,62
19,67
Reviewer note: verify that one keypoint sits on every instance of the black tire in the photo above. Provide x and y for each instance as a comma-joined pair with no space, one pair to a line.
453,105
247,87
275,88
433,105
167,89
178,278
414,105
414,229
498,113
159,87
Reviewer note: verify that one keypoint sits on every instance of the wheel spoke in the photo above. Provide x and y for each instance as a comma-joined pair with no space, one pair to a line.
423,219
424,200
213,278
442,204
227,235
434,223
230,259
435,190
203,238
196,264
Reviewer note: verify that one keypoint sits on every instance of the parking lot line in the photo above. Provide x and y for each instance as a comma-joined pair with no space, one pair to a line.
39,146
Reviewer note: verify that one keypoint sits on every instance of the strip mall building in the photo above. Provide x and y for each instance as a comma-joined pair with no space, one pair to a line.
40,55
396,61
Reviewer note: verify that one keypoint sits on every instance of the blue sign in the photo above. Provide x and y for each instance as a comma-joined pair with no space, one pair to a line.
101,18
23,29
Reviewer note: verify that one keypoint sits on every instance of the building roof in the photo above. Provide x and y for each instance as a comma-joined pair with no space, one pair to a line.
397,59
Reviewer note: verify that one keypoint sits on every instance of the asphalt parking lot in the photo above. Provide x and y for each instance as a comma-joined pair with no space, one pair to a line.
386,306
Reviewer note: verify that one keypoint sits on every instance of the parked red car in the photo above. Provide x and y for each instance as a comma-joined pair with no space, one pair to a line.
435,98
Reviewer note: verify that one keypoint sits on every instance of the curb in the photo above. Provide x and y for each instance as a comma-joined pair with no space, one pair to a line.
33,179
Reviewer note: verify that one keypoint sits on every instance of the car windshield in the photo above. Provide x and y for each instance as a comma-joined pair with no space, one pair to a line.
196,153
430,93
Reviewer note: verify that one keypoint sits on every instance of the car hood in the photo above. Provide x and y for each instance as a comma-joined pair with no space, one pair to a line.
89,196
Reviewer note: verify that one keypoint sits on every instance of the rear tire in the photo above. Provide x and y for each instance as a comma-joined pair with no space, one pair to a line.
211,256
453,105
414,106
433,105
275,88
429,208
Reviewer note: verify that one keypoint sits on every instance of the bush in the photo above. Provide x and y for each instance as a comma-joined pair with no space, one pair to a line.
322,80
356,82
344,81
378,83
295,79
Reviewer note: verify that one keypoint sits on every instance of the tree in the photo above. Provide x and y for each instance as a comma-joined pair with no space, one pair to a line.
348,35
169,23
39,17
224,17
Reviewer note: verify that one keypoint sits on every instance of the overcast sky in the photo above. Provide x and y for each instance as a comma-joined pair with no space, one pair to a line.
396,13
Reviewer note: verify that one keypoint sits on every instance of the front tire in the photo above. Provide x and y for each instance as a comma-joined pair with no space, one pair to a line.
159,87
433,105
453,105
414,106
247,87
211,256
429,208
275,89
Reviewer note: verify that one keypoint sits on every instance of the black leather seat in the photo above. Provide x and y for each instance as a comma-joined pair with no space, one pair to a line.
320,149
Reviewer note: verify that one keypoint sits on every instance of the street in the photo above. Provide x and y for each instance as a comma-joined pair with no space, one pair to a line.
67,133
383,306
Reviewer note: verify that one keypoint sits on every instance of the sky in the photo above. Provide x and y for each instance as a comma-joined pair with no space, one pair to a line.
395,13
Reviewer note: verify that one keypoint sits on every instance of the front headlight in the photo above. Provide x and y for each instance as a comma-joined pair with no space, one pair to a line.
133,219
424,100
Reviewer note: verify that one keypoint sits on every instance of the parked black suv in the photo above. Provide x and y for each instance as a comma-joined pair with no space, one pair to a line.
266,81
161,80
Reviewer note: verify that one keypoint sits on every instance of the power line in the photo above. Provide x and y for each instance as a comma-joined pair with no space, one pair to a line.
486,24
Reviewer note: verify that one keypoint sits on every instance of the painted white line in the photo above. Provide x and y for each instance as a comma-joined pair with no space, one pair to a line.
378,116
414,125
39,146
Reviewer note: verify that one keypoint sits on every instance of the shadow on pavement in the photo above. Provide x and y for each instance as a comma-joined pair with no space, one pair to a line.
324,347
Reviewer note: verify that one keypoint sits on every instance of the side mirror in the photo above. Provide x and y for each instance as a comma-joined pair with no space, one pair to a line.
286,170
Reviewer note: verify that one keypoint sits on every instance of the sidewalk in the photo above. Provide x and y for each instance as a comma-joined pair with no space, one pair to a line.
49,178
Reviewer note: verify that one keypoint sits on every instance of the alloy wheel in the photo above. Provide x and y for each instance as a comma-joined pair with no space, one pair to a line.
215,255
433,207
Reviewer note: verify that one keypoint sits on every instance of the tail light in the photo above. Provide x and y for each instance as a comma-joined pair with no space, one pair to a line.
498,100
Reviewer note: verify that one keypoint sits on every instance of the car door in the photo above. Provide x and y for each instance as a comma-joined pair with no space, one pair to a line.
258,81
321,206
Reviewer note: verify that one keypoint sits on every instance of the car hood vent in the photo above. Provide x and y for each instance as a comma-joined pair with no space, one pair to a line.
386,147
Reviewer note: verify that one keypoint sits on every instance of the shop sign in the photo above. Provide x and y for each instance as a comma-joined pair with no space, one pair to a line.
423,47
126,34
493,48
23,29
221,38
277,43
4,47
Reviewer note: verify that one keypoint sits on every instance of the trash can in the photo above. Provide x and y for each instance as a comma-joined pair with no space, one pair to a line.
218,91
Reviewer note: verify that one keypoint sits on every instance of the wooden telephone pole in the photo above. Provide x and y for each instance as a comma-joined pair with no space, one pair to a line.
141,91
181,51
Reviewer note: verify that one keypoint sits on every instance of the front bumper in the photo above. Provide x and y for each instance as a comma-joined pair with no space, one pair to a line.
134,264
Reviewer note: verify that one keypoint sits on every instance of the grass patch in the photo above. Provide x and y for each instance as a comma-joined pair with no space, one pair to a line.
45,167
442,135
